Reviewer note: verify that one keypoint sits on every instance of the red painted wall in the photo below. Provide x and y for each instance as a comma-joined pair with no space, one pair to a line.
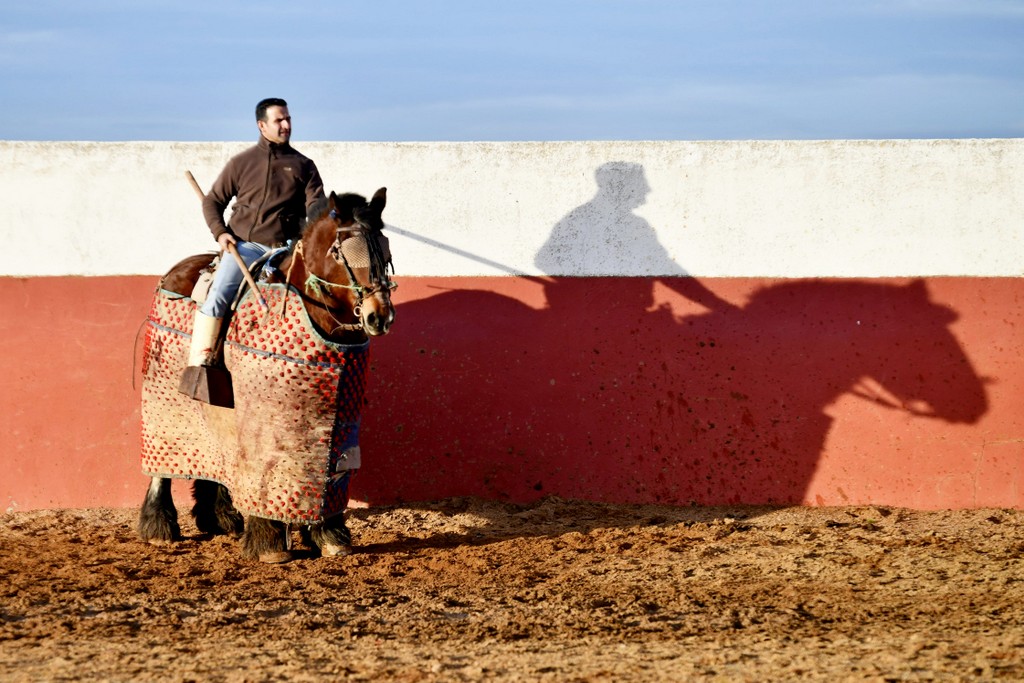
675,391
70,413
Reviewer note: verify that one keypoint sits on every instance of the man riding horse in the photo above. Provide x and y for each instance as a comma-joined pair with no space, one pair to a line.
273,186
281,451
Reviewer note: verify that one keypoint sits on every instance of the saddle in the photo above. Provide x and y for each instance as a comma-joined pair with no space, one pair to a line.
262,269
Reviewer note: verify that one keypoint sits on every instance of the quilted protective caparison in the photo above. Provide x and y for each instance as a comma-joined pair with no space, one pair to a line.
287,449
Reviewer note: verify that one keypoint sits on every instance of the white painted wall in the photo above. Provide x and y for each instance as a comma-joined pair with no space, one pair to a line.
709,209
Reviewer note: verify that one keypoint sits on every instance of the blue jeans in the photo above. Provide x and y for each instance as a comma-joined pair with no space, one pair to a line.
228,278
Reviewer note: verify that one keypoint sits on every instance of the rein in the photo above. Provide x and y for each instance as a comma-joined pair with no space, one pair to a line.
889,402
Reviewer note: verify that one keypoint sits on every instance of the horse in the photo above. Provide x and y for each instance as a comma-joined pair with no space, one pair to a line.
338,272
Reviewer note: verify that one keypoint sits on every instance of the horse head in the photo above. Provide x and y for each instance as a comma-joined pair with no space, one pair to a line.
889,343
347,257
927,373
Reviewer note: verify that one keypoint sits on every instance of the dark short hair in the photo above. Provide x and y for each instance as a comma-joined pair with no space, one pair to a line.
264,105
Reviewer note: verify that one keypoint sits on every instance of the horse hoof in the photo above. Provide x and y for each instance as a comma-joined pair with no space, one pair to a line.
275,557
336,550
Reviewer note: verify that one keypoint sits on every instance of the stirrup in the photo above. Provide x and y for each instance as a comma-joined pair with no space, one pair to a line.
209,384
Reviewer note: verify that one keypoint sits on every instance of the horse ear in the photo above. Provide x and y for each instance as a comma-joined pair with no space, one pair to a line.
380,198
918,287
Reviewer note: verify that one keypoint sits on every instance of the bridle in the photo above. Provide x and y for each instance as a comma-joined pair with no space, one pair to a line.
377,260
378,269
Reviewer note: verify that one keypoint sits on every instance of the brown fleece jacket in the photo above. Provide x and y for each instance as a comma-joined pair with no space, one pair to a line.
272,185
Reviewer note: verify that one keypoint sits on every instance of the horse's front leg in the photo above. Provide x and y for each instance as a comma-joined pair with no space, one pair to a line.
158,519
332,537
266,540
213,511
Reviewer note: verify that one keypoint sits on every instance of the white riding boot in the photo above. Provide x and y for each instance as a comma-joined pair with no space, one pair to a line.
203,348
204,379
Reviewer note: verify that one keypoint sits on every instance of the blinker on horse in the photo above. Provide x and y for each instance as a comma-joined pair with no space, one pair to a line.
285,453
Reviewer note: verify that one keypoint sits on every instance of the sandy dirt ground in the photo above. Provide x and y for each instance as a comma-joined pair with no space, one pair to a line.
466,589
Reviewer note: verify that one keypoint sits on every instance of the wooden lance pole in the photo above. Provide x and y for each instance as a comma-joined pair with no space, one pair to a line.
232,250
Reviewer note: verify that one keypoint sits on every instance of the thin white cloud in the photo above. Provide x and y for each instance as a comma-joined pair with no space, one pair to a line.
981,8
906,105
402,70
20,49
22,39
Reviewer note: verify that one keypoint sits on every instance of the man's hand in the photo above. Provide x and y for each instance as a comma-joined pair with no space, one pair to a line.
225,239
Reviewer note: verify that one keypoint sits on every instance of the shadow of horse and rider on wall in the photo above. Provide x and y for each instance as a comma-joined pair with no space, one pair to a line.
605,394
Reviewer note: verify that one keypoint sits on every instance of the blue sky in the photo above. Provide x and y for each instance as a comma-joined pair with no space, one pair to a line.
400,70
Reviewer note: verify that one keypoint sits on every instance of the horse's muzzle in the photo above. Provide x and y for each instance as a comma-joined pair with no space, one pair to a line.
377,320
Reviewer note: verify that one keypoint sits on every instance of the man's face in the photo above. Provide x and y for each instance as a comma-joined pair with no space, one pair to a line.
277,127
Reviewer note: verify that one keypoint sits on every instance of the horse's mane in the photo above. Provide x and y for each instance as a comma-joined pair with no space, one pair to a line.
346,203
316,210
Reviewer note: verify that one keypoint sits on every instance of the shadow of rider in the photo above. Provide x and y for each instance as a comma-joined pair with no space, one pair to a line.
604,237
